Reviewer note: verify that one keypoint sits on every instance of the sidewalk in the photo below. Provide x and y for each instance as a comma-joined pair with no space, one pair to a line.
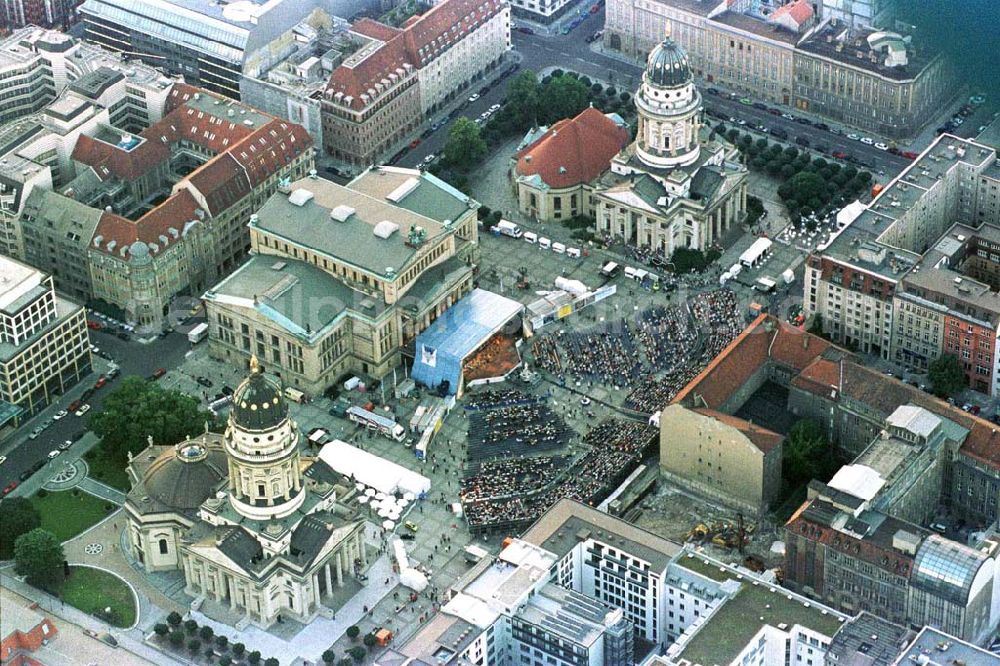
129,641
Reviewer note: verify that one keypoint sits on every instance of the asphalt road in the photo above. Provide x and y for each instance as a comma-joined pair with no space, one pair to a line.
538,52
132,357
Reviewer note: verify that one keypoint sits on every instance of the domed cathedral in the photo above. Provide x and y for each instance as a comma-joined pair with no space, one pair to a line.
232,511
678,185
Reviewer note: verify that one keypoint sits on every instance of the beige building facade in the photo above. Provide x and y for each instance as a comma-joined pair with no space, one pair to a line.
720,456
236,515
44,345
343,277
851,74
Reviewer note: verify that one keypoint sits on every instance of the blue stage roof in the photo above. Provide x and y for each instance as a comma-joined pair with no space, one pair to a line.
463,328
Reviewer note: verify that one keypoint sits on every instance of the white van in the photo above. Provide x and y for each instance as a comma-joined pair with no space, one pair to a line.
559,248
544,243
530,237
610,269
630,272
294,395
573,252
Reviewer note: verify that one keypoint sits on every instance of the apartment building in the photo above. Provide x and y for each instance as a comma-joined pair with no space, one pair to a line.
170,202
914,274
44,346
846,71
384,90
840,551
343,277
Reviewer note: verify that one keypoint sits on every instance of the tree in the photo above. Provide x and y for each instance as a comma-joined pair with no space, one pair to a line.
483,212
357,653
222,642
18,516
194,645
206,633
806,454
239,649
191,626
39,557
329,657
160,629
946,375
174,619
563,97
176,638
139,409
225,660
522,99
345,661
254,657
369,640
353,631
271,661
465,147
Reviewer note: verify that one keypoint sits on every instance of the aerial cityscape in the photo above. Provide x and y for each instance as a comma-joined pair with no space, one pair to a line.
499,333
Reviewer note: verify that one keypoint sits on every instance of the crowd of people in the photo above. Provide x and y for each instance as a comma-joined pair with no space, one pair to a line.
608,354
492,398
515,430
616,449
494,479
715,321
668,336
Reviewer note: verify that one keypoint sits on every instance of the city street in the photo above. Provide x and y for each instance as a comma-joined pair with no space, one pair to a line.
133,358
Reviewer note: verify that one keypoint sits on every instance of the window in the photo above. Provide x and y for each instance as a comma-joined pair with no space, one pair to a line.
163,546
261,491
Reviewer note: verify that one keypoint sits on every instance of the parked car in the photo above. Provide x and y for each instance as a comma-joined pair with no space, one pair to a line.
868,141
204,381
802,141
473,97
101,381
84,408
9,488
779,133
60,414
65,445
760,105
882,146
839,154
712,91
853,137
73,406
159,372
53,453
822,126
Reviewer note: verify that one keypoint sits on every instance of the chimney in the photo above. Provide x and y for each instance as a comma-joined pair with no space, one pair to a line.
805,341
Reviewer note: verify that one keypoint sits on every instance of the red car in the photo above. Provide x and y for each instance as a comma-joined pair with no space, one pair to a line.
839,154
93,325
101,381
73,406
414,143
594,9
9,488
909,154
159,372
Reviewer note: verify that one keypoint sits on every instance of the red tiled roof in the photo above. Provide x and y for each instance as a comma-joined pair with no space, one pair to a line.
167,220
799,11
733,367
245,156
796,348
444,24
821,377
762,438
765,339
421,39
380,65
372,28
222,182
573,151
106,158
270,148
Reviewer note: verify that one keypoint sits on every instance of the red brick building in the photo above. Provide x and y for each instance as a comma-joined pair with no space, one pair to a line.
25,630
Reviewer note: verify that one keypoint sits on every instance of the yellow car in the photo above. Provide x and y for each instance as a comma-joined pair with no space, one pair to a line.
411,526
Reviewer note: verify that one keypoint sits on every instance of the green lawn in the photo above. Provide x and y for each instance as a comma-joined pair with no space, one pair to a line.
93,590
109,472
66,515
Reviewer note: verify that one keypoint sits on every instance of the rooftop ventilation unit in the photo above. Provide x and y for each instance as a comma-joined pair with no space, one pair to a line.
385,228
300,197
400,192
341,213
